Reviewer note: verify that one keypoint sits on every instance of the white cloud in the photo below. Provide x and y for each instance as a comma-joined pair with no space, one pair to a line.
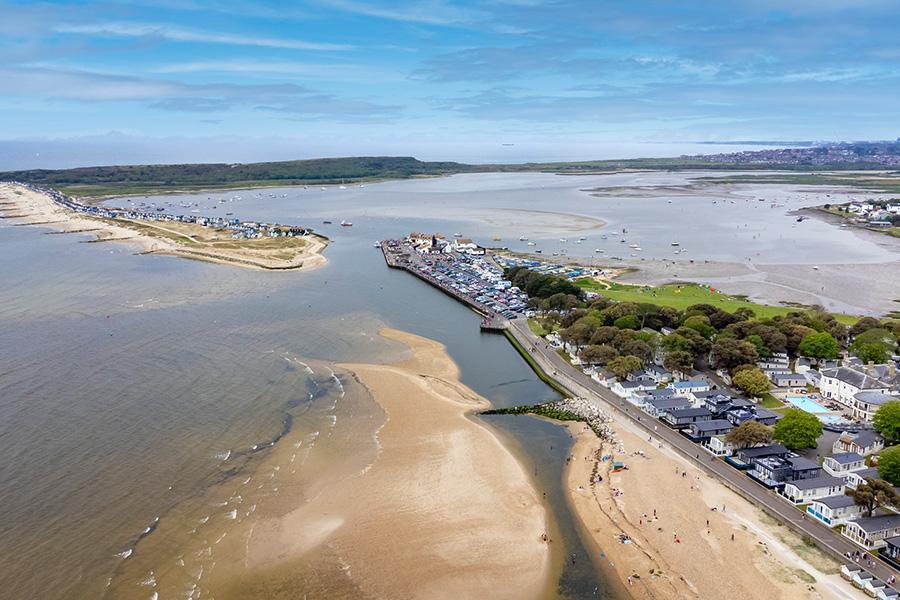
180,34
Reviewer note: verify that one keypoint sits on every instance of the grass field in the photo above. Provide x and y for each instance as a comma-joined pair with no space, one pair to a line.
681,296
536,328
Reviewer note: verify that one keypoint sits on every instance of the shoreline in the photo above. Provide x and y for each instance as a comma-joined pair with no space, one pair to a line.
28,207
680,528
442,509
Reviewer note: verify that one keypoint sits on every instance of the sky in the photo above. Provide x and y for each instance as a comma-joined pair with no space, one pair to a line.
104,82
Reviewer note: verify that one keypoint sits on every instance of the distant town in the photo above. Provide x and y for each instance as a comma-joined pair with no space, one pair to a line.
884,154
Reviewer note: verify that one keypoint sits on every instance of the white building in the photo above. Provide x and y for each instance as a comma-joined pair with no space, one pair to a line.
833,510
802,491
843,383
840,465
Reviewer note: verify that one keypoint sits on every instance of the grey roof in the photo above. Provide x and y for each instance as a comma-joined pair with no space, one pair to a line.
712,425
663,393
817,482
789,376
866,438
894,541
880,523
871,472
769,450
689,412
667,403
741,403
845,458
705,394
855,377
842,501
802,464
876,398
765,413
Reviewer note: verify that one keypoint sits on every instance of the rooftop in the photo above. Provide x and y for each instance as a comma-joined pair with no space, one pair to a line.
845,458
817,482
842,501
880,523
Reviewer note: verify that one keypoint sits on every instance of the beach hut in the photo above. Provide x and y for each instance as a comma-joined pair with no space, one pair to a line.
849,570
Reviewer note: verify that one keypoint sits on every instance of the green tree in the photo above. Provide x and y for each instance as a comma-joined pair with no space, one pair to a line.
870,353
874,345
679,361
752,381
887,420
873,494
628,322
623,365
729,353
749,434
889,465
820,345
700,324
797,429
598,355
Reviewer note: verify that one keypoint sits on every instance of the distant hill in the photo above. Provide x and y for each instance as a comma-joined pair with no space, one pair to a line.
147,179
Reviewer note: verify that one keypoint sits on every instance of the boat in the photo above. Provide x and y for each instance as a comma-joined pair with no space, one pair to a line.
598,250
632,245
582,238
815,268
326,222
377,244
496,238
346,224
523,238
538,251
457,235
563,240
532,244
675,244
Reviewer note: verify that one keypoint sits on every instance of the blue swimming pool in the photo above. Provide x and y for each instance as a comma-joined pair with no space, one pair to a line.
806,404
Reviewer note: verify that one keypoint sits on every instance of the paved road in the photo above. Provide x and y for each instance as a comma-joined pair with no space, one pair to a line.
581,385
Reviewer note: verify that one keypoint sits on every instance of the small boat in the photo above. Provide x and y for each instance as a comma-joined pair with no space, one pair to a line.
496,238
457,235
523,238
632,245
532,244
598,250
346,224
815,268
582,238
675,244
326,222
538,251
377,244
563,240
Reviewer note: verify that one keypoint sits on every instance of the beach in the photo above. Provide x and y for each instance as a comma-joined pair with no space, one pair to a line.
443,511
689,535
28,207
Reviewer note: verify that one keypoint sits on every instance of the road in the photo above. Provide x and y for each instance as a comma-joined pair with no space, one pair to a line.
581,385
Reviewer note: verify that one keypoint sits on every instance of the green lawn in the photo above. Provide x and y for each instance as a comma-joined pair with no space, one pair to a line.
536,328
770,401
681,296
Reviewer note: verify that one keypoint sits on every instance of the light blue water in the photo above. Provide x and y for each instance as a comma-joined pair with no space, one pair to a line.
804,403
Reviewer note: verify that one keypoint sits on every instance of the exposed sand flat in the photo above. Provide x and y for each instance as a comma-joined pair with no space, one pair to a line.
444,511
764,560
28,207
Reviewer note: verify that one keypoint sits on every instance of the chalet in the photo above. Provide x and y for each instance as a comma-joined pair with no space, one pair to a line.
719,446
701,432
833,510
659,374
873,586
628,389
803,491
716,402
856,478
860,578
748,455
788,380
839,465
689,386
681,418
659,406
865,442
890,553
887,593
774,471
774,362
871,532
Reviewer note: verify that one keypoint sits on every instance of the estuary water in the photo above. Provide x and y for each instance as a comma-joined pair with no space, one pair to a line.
143,397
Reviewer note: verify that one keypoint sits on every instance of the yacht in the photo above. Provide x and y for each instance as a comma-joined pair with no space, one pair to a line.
563,240
598,250
457,235
532,244
346,224
675,244
523,238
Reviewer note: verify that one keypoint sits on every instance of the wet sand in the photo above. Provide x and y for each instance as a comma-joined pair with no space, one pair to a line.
443,511
677,554
27,207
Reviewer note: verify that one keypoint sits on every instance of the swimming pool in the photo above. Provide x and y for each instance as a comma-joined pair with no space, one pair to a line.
806,404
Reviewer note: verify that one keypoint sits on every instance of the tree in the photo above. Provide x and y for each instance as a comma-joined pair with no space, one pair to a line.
889,465
797,429
623,365
759,344
874,345
700,324
820,345
598,355
873,494
628,322
729,353
752,381
749,434
638,348
863,325
679,361
887,420
870,353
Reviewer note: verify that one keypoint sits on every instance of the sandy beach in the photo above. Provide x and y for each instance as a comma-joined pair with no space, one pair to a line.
443,511
691,537
27,207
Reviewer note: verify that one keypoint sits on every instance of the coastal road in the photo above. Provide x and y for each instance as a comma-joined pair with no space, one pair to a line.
581,385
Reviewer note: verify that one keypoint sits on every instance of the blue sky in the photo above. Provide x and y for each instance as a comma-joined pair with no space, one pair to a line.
209,79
